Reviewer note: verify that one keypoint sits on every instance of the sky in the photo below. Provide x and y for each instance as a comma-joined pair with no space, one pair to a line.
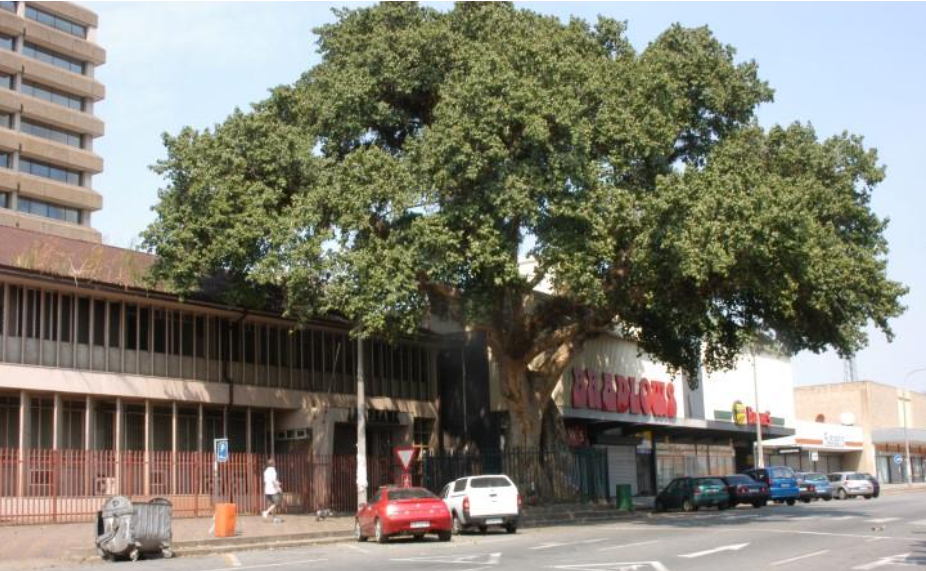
840,66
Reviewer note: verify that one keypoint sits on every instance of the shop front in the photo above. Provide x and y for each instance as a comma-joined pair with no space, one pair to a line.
817,447
891,454
652,424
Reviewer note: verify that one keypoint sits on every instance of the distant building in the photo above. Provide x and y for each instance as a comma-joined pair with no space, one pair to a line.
878,410
48,59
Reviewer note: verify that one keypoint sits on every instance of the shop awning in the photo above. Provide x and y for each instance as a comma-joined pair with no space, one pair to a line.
896,436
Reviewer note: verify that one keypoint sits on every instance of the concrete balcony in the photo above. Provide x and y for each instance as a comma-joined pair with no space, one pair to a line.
52,76
50,113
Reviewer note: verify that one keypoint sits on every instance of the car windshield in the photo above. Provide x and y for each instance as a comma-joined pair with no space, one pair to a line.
489,482
815,477
410,494
781,473
739,479
856,477
708,482
834,477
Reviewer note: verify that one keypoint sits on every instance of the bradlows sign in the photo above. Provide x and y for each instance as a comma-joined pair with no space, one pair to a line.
617,393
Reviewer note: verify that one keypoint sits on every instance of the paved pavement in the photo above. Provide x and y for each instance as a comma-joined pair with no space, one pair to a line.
886,533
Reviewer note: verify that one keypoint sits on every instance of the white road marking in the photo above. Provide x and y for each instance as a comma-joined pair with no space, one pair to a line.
734,547
232,560
842,517
563,544
479,560
355,548
799,557
269,565
616,566
625,545
882,519
919,522
884,562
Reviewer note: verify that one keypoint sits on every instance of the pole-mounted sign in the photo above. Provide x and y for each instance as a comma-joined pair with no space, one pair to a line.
221,450
406,455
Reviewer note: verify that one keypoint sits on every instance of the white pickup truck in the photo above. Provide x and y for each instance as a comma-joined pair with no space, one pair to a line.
481,501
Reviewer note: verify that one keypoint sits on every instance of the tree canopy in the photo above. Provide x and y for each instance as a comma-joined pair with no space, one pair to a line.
429,152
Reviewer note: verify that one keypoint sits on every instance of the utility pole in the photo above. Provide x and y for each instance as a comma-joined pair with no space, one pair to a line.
362,483
760,453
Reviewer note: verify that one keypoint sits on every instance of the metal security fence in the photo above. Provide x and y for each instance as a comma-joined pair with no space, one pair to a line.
51,486
541,476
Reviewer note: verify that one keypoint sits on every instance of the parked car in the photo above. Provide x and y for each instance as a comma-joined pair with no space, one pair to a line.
814,486
744,490
483,501
781,482
689,494
402,511
875,484
850,485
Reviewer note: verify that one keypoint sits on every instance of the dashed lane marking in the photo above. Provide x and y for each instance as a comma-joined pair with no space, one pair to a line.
626,545
269,565
567,543
882,519
919,522
799,558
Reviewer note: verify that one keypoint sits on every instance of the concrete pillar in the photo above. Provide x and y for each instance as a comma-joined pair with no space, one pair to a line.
117,444
247,430
57,423
199,428
148,456
89,438
273,433
25,440
174,435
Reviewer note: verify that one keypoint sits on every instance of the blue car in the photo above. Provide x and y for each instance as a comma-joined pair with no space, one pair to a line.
814,486
781,482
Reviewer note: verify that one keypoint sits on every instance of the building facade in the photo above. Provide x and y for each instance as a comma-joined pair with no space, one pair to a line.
48,59
881,412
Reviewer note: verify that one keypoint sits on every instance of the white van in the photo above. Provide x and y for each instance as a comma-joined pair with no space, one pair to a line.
481,501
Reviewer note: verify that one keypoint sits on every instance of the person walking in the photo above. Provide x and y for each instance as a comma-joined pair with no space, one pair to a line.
272,489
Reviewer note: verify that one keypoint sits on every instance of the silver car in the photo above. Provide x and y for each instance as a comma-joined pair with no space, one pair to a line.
850,484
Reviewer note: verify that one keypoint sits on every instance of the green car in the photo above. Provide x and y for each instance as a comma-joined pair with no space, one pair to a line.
689,494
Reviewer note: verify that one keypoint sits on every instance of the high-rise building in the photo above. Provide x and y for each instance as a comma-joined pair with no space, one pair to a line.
48,57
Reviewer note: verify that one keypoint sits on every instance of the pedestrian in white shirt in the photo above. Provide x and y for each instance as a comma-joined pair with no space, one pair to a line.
272,489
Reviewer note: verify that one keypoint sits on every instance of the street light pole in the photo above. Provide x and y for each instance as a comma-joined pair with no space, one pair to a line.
904,399
760,454
362,483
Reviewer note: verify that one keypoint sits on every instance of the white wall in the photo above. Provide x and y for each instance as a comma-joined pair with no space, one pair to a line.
775,378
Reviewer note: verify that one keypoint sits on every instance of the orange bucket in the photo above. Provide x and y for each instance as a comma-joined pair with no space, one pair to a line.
225,516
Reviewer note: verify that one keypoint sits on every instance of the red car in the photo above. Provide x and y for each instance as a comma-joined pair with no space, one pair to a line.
402,511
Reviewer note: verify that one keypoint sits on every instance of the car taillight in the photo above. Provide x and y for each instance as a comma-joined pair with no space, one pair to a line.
391,509
764,490
520,502
811,487
741,490
466,505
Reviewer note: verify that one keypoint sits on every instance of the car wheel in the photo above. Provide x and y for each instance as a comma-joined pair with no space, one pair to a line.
689,506
757,504
723,506
443,535
792,501
842,494
658,506
828,499
511,528
806,500
456,525
868,497
418,536
483,529
358,531
378,532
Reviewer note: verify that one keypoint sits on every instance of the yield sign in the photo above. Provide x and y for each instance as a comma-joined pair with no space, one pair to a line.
406,455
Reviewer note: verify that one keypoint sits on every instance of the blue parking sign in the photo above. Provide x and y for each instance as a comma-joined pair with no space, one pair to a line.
898,459
221,450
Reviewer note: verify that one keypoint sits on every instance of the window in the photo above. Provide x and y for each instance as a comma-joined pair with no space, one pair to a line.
53,58
6,81
47,132
6,120
46,170
8,6
4,200
52,95
6,42
422,428
459,485
5,160
490,482
48,210
54,21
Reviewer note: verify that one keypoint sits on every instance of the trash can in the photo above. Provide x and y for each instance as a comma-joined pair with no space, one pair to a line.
126,529
624,496
226,516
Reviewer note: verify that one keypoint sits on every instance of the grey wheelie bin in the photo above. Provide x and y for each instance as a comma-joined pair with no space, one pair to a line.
129,530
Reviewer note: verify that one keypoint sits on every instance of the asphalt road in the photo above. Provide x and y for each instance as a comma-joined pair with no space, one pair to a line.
885,533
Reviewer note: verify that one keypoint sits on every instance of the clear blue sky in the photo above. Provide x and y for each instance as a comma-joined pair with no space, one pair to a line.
841,66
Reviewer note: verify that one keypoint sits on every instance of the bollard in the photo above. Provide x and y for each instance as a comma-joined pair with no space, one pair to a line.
624,496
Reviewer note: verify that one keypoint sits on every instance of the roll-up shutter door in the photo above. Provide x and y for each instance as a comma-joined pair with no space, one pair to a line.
622,467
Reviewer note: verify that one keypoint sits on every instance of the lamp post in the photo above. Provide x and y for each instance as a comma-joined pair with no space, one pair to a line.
362,483
904,399
760,454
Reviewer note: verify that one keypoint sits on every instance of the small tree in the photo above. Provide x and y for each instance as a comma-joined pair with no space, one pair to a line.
410,171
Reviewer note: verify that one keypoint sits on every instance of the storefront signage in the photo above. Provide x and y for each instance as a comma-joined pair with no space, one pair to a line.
617,393
577,435
789,450
743,415
834,440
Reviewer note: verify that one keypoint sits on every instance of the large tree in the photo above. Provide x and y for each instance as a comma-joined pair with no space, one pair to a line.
429,151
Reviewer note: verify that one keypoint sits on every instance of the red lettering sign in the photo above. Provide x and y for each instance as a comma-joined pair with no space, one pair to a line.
617,393
765,418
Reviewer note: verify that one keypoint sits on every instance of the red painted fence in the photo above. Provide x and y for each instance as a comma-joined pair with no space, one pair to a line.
46,486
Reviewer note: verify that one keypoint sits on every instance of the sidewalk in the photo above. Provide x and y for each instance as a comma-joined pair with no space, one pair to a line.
902,488
33,546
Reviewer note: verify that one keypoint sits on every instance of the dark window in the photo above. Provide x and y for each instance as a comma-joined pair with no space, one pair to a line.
50,326
160,331
55,21
131,327
6,81
99,323
174,333
6,42
200,336
115,323
67,314
53,58
8,6
410,494
144,327
45,170
4,200
263,342
187,345
6,120
5,160
737,480
459,486
44,131
249,340
489,482
48,210
32,89
83,320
